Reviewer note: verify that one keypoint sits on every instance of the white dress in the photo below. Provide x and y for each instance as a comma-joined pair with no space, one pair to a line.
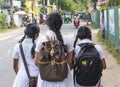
68,82
21,79
99,49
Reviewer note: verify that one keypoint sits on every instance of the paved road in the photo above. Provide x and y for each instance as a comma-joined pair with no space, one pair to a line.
7,42
110,78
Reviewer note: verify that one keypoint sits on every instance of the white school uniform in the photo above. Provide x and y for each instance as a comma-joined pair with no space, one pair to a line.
68,82
21,79
99,49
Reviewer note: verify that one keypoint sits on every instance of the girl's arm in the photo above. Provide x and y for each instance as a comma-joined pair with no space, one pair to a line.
15,65
103,63
70,60
37,56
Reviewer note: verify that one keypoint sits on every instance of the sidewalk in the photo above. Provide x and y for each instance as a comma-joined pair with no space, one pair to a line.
111,76
11,30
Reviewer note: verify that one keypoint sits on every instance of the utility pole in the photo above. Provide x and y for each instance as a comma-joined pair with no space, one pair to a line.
33,10
11,14
44,6
112,3
57,4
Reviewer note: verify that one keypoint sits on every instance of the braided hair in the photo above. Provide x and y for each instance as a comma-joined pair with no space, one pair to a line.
30,31
54,22
83,33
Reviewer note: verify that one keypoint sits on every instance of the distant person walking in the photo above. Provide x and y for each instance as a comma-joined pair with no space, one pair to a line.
44,18
54,22
31,33
89,60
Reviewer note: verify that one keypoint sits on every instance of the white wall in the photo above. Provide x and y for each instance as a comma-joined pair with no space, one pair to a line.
18,20
17,3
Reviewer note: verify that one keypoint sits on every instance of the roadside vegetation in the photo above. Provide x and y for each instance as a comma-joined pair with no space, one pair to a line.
3,23
94,26
110,47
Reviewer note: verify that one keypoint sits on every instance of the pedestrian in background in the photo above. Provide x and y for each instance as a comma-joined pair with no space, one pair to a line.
84,35
54,22
31,33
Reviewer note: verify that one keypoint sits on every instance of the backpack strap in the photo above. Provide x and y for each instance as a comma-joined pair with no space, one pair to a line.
85,44
24,61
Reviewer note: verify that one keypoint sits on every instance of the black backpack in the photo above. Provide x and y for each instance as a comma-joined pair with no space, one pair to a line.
87,66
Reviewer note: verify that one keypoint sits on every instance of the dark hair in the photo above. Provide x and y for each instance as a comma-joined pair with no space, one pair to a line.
30,31
54,22
83,33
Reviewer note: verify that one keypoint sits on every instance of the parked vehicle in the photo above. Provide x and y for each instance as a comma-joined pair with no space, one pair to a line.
67,17
81,15
25,20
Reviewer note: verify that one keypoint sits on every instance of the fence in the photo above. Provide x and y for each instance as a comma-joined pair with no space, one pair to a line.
111,25
95,17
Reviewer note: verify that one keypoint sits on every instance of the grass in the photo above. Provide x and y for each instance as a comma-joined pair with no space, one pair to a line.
94,26
3,30
110,47
7,30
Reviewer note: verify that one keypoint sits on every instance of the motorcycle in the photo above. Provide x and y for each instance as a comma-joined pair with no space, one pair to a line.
25,20
76,22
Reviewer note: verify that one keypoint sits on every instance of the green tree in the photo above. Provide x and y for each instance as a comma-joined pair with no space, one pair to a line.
113,3
40,1
95,3
0,3
23,3
53,1
110,3
3,22
80,6
67,5
70,5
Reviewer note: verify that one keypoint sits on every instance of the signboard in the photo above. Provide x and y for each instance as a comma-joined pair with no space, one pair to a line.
26,10
111,22
102,2
105,19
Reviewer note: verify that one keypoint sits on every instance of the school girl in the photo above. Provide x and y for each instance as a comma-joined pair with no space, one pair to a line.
31,33
54,22
84,35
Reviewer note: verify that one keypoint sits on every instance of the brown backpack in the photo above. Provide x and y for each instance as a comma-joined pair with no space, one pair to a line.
53,62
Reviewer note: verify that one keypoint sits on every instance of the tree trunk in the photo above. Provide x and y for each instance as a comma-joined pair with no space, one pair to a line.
44,6
33,10
95,6
11,14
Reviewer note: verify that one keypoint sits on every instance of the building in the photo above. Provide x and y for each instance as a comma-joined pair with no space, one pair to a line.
5,8
32,9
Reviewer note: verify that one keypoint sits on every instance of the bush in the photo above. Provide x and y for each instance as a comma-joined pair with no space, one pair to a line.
94,26
3,22
109,47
